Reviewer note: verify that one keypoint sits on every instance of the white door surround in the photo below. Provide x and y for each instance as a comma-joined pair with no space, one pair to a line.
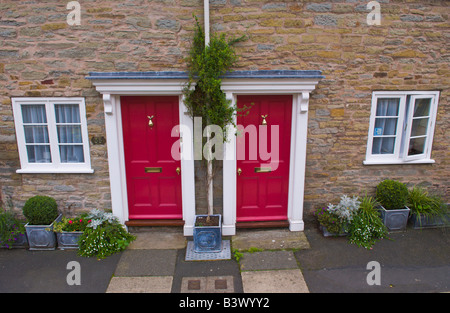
296,83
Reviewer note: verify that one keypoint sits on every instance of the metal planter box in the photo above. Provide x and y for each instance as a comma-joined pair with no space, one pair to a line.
208,238
421,221
42,237
394,220
68,239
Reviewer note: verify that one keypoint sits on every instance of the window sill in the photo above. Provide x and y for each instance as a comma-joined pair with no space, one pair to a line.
55,171
399,162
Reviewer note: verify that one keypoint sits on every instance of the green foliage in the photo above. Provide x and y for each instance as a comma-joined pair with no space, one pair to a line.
237,255
40,210
72,224
330,220
367,227
10,229
392,194
205,66
103,236
421,203
104,240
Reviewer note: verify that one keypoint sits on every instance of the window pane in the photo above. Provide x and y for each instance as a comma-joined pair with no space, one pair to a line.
416,146
385,126
67,113
422,107
36,134
39,154
419,127
383,145
34,114
69,134
388,106
71,153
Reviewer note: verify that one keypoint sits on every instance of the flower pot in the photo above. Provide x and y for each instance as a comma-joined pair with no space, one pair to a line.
208,238
420,221
21,242
42,237
326,233
394,220
68,239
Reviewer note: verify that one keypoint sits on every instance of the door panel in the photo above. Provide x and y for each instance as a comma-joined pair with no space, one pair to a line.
151,194
262,194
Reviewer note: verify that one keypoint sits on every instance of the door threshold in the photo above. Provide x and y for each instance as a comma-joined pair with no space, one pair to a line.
263,224
144,223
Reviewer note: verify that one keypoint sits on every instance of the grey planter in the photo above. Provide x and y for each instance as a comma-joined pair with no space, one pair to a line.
68,239
42,237
421,221
208,238
326,233
394,220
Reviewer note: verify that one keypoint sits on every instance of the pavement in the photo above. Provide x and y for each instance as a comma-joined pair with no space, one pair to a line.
270,261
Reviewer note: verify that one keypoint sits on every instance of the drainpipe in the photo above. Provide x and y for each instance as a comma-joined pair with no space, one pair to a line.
206,14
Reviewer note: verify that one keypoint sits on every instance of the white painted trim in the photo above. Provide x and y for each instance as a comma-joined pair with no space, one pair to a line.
398,157
56,166
111,91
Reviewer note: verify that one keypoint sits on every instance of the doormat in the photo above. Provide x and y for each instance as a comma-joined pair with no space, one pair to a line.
191,255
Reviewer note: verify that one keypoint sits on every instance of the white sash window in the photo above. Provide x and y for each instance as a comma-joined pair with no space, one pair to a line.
52,135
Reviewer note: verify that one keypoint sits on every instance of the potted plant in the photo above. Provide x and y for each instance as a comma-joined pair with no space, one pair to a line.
12,231
336,218
427,210
69,230
392,196
366,226
207,62
41,212
103,235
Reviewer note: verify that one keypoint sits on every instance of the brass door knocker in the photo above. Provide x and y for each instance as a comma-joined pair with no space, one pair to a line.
264,122
150,120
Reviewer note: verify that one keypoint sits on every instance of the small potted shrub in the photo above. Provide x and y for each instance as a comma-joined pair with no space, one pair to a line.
336,218
427,210
41,212
392,196
12,231
69,230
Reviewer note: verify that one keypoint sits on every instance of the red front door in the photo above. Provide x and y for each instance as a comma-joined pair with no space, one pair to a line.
153,176
263,160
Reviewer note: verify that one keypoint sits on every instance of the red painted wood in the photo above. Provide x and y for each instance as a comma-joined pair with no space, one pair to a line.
151,195
264,196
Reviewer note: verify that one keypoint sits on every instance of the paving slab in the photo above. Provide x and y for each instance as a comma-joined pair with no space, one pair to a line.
276,281
146,263
268,260
153,284
158,240
273,239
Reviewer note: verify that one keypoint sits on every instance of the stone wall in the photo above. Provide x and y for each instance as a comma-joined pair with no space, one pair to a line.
42,55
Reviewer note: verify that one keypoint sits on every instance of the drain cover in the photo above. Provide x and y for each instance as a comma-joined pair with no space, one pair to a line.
191,255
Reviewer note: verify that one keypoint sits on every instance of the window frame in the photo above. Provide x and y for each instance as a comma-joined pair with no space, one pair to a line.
403,130
55,166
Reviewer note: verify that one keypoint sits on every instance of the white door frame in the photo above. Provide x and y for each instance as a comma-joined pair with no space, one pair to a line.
300,89
299,84
112,89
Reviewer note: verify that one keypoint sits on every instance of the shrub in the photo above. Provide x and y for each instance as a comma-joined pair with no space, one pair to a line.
40,210
366,227
329,220
10,229
346,208
72,224
421,203
392,194
103,236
